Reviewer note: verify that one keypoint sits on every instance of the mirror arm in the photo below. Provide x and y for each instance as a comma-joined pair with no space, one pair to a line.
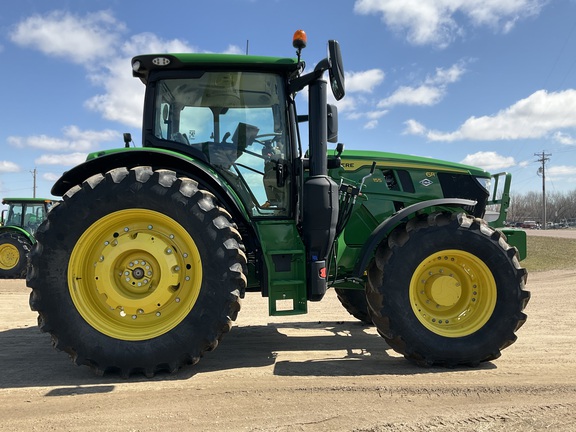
322,66
299,83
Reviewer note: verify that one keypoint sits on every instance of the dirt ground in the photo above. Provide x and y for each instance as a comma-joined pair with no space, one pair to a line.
323,371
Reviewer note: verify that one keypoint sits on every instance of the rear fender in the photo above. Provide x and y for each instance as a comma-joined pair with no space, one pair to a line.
385,228
157,159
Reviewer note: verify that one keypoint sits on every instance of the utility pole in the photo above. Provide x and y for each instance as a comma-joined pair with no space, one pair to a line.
34,187
543,158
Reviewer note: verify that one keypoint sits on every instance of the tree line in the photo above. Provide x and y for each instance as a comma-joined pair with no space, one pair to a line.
560,208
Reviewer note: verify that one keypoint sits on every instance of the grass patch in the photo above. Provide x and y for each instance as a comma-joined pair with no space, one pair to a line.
549,253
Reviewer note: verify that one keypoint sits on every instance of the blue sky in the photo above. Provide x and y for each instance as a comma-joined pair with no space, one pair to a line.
484,82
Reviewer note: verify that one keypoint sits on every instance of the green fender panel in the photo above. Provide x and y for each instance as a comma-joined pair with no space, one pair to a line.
517,238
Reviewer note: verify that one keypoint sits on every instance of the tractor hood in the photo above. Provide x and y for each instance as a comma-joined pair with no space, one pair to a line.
353,160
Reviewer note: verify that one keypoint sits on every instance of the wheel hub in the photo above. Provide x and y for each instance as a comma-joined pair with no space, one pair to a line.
453,293
138,273
135,274
141,254
9,256
445,291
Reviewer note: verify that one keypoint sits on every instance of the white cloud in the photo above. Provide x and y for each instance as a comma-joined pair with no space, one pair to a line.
371,124
561,170
371,117
414,128
540,114
74,139
363,81
70,159
358,87
490,161
39,141
51,177
561,173
234,49
434,22
429,92
144,43
564,138
442,77
8,167
123,95
422,95
349,104
85,140
80,39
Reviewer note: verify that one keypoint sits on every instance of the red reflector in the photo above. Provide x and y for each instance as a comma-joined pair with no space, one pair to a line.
322,273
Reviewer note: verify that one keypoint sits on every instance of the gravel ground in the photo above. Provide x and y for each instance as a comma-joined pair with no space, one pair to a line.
318,372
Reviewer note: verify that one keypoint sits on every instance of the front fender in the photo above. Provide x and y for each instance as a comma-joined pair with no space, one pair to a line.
157,159
18,230
385,228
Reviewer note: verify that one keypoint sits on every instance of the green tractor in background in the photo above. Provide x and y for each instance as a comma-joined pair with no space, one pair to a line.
142,266
18,226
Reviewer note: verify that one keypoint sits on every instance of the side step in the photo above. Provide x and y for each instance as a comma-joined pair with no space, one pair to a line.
285,258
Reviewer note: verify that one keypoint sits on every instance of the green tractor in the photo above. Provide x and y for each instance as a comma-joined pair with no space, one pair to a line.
18,226
142,266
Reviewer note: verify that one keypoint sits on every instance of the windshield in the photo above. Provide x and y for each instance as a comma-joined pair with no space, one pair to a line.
28,216
237,120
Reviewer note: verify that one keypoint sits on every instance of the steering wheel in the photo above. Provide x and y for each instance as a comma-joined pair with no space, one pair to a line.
259,140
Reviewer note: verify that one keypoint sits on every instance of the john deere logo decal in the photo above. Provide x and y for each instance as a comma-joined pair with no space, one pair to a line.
426,182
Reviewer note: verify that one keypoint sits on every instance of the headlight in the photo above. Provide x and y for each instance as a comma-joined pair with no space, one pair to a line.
485,182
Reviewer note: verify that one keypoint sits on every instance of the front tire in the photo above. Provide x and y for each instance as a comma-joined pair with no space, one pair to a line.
446,289
14,249
137,271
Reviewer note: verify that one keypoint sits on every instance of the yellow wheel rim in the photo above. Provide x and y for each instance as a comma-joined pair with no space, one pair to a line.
453,293
9,256
135,274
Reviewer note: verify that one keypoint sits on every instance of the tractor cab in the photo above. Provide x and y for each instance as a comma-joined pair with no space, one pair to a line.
18,226
236,122
25,213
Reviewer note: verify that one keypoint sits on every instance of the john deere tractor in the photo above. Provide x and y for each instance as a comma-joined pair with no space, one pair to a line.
18,226
142,266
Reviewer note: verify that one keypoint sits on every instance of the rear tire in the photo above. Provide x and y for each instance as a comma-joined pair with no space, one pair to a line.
137,271
14,249
447,290
354,301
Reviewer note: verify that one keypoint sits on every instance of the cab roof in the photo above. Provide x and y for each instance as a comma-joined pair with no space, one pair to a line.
25,200
142,65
